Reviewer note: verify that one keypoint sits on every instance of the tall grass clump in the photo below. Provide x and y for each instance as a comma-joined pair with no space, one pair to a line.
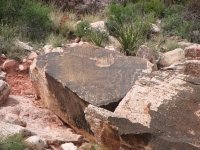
14,142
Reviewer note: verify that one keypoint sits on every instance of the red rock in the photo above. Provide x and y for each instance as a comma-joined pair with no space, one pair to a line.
32,56
78,39
9,63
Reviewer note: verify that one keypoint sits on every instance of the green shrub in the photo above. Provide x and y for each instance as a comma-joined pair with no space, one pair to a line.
97,36
2,8
15,142
82,28
34,21
175,9
30,18
12,10
154,6
183,21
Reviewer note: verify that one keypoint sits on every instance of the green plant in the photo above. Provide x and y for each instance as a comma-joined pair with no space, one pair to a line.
55,40
82,28
34,21
15,142
129,37
154,6
62,22
96,36
7,34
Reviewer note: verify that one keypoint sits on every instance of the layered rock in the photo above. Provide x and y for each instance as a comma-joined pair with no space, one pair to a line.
176,56
67,82
165,108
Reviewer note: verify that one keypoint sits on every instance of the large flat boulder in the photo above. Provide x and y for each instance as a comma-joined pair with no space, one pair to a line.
68,81
164,106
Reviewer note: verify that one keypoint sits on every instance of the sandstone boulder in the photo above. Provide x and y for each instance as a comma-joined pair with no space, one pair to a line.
192,67
67,82
172,57
5,91
7,129
162,108
32,55
9,63
36,143
99,25
192,51
146,53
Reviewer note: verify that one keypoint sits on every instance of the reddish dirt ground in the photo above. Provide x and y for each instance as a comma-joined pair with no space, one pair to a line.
20,82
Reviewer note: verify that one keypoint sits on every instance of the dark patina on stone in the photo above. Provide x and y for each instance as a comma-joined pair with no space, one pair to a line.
67,82
96,75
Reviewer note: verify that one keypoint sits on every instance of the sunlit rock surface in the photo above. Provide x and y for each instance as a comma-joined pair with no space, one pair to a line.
165,106
67,82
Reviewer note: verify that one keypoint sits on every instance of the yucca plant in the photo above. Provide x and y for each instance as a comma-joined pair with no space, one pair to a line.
128,36
97,36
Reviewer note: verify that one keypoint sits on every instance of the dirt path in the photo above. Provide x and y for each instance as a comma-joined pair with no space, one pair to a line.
20,83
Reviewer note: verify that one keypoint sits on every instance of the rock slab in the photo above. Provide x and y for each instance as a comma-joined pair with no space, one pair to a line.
166,106
67,82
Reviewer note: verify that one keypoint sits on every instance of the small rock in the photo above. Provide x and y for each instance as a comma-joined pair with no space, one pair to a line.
47,48
146,53
24,60
24,45
3,56
111,48
155,28
113,41
69,146
23,67
32,56
176,56
8,63
192,51
78,39
14,119
58,49
36,143
192,67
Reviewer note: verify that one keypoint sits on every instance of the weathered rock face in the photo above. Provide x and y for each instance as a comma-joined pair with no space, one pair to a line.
146,53
5,91
165,106
172,57
67,82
